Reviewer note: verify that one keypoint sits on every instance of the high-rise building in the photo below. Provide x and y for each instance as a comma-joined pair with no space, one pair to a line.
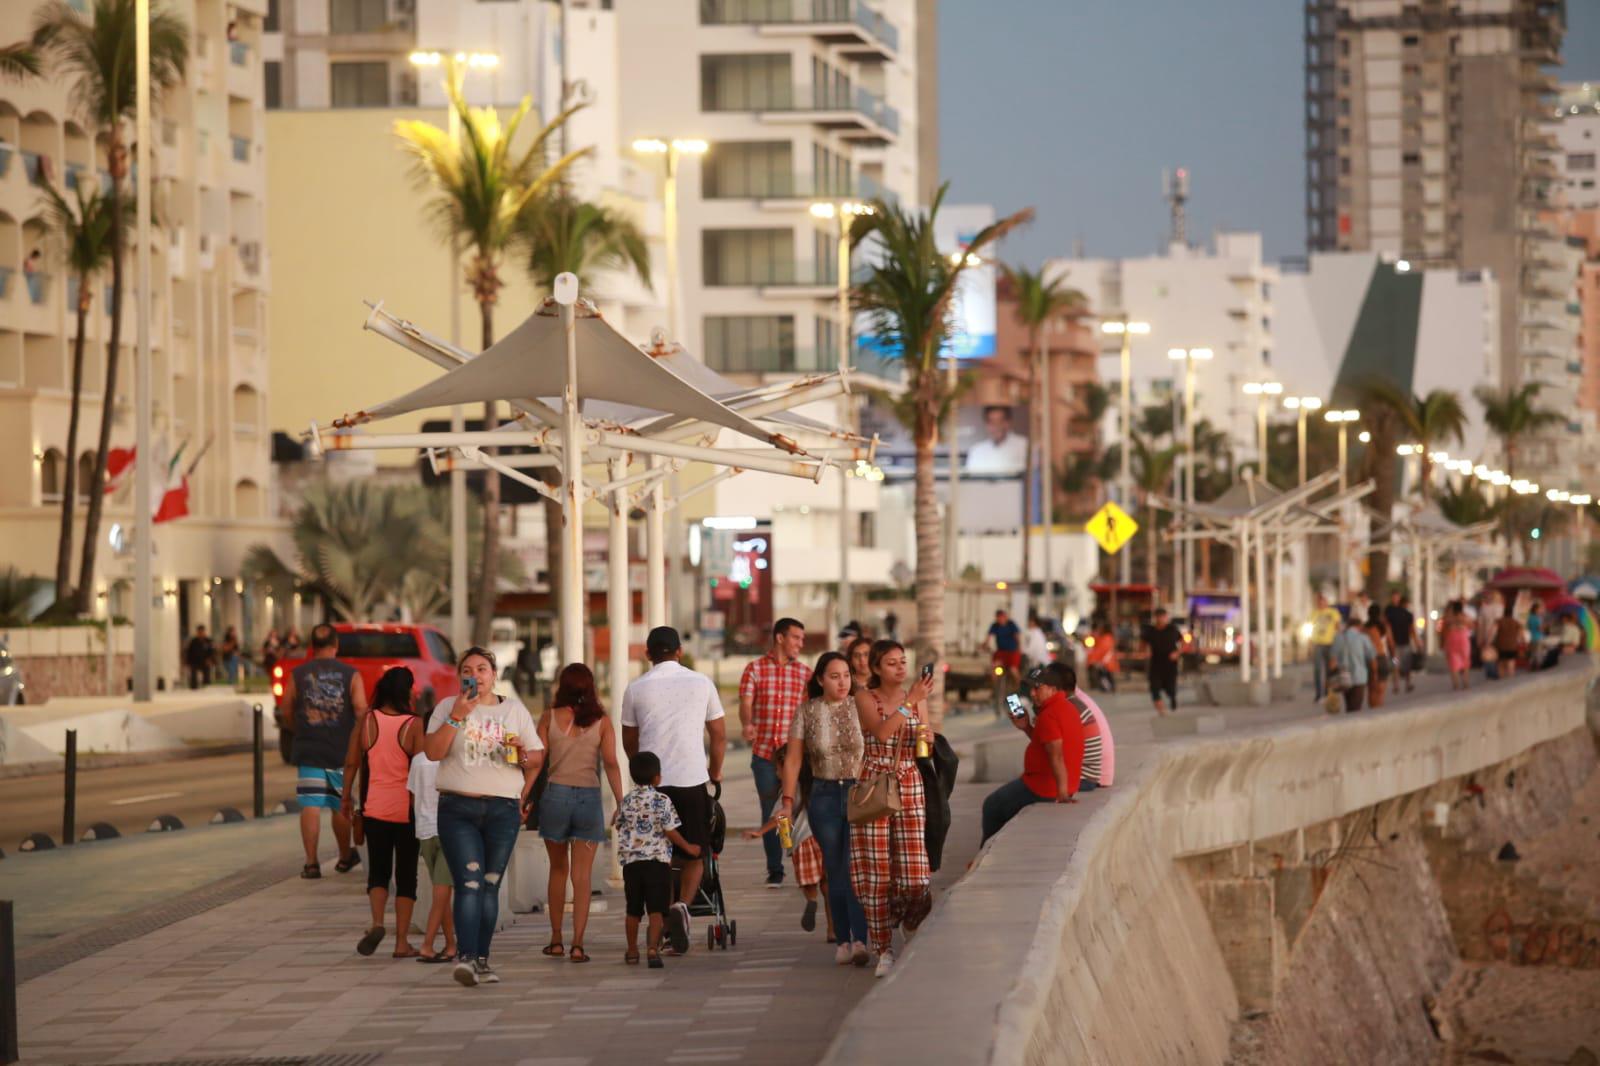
208,333
1577,115
1427,138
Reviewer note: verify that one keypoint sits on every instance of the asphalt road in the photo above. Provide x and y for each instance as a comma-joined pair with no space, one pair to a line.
130,797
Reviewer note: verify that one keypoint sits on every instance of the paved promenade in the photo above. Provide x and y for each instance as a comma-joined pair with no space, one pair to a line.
273,972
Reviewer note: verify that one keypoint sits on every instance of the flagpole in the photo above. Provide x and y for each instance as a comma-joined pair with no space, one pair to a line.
144,591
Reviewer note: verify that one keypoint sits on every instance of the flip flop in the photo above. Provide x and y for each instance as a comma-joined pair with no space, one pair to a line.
631,958
409,953
370,940
435,958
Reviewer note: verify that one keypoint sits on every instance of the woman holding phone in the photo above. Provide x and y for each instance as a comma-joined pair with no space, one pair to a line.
889,855
489,755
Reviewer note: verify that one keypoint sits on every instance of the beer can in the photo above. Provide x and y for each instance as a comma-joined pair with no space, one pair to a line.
512,755
785,833
924,747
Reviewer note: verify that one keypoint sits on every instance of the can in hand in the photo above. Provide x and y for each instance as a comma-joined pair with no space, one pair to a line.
785,833
924,746
513,756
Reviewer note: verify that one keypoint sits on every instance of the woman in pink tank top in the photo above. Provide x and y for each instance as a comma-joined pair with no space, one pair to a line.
383,745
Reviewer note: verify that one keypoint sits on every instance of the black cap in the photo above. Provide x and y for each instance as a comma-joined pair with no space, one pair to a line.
662,642
1052,674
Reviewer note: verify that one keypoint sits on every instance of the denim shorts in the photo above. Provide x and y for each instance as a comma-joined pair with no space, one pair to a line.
570,813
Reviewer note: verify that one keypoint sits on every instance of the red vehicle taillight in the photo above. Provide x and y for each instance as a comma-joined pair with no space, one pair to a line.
277,672
277,690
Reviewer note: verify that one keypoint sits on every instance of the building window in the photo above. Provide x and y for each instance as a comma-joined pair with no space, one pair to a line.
759,82
830,171
357,16
1580,161
272,74
748,256
830,89
749,168
270,25
750,343
360,84
827,340
50,475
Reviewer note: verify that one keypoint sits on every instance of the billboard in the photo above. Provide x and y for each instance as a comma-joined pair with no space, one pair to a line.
972,311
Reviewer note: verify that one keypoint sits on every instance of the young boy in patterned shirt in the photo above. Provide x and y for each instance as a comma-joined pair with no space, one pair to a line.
647,828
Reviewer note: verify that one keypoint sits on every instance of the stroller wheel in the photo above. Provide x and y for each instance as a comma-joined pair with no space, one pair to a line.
711,938
733,933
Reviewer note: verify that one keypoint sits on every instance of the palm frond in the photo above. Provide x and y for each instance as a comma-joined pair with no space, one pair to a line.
20,61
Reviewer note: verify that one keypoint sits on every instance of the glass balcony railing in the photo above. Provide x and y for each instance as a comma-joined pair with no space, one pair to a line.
75,173
35,165
5,158
238,53
799,187
241,149
5,280
800,13
38,287
800,361
813,98
780,275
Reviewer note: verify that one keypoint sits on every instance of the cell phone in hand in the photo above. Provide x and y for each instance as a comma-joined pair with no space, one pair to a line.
469,688
1014,706
927,672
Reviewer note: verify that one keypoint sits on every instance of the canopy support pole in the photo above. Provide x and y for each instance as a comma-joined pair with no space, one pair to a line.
655,550
1265,681
1277,605
571,483
1241,566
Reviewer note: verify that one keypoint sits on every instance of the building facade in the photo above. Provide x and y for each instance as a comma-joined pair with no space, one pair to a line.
1577,125
209,330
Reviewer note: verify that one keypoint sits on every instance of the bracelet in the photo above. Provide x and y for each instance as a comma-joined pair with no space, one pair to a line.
904,711
453,722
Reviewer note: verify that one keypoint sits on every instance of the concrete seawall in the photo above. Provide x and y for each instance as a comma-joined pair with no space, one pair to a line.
1078,936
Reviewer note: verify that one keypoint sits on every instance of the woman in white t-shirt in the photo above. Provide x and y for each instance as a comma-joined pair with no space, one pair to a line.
489,755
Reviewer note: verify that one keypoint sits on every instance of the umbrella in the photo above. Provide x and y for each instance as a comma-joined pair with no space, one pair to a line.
1527,577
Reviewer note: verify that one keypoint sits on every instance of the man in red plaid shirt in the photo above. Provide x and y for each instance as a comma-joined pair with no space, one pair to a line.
769,692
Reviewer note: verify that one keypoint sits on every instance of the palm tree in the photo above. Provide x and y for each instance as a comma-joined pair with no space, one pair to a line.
1152,473
908,297
481,192
1514,415
1466,506
1038,299
568,235
20,61
1385,409
18,596
1432,420
96,54
83,230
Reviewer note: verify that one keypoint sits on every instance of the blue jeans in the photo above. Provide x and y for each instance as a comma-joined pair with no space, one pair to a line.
829,824
1004,804
1319,669
477,834
769,790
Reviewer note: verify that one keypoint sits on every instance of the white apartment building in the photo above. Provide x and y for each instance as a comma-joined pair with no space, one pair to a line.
1577,130
208,332
1220,299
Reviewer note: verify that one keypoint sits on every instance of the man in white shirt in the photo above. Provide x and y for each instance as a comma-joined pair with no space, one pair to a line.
1035,645
1004,452
666,711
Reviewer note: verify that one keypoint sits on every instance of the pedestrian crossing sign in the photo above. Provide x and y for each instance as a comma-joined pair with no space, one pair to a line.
1112,527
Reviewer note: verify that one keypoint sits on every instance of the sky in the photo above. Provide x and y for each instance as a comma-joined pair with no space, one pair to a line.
1074,107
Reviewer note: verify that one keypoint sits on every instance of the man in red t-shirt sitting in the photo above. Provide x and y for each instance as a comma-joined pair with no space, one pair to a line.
1054,759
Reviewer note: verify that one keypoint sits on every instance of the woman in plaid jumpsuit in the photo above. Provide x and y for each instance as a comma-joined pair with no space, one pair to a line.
889,856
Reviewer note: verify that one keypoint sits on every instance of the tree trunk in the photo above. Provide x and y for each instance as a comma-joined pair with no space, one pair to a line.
1152,546
930,553
1033,416
69,491
489,561
1385,475
84,600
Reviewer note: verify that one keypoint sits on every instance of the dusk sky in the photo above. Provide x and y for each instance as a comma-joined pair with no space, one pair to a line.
1074,108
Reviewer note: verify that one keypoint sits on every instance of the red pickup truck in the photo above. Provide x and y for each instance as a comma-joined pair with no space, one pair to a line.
373,648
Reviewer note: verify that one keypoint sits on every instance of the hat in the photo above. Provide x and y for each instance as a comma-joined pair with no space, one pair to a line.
1052,674
661,642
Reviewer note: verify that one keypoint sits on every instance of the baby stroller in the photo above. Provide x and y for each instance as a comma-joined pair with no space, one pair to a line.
709,901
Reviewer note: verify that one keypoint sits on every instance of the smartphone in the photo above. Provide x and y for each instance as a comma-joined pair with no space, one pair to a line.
469,687
1014,706
927,672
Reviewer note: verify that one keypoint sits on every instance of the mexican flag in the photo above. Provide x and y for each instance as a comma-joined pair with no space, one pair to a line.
119,461
169,493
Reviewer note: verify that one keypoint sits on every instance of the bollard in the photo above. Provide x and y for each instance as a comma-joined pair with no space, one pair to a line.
8,984
259,767
69,805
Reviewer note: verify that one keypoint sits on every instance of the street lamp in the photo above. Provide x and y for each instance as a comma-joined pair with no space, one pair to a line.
1263,391
1188,357
846,211
1342,419
671,150
1303,406
1125,328
459,633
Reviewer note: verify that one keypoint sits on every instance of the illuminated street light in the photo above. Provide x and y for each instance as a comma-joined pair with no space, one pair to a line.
1188,357
1126,328
1342,419
1304,405
1263,391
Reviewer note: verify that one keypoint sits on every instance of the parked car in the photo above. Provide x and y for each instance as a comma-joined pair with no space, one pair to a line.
12,690
373,648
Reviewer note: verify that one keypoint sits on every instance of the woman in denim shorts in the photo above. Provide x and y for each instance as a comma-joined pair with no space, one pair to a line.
573,825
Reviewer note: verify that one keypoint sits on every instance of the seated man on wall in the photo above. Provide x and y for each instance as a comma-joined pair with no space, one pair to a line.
1054,759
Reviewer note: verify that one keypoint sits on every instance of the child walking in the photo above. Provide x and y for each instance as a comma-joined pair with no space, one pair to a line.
808,869
647,828
424,788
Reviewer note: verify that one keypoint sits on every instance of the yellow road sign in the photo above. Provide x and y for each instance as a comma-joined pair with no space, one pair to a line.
1112,527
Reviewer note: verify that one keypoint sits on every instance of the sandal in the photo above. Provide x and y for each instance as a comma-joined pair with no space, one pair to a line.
631,958
655,962
554,950
370,940
577,954
408,953
436,958
349,862
311,871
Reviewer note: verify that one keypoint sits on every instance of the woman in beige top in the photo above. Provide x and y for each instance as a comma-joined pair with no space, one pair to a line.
826,731
578,737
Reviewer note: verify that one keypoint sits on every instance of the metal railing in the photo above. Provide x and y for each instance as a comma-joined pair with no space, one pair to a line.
819,98
799,13
803,187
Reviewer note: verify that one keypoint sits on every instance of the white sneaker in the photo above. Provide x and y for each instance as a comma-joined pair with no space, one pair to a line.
484,973
465,974
885,964
842,955
859,954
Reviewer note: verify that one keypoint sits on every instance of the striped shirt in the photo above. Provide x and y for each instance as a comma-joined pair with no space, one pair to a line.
1092,743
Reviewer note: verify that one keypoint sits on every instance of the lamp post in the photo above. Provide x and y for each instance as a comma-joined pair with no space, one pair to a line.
1303,406
1121,326
144,591
458,420
1581,501
655,524
1188,357
1263,391
846,211
1342,419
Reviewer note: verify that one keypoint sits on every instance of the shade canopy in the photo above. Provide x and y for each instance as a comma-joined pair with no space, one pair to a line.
530,363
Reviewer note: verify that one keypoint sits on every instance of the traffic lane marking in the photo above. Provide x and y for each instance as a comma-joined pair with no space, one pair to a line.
151,798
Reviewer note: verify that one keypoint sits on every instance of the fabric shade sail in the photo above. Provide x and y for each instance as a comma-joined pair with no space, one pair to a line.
529,363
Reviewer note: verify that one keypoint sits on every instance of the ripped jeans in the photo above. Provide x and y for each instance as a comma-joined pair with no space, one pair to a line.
477,834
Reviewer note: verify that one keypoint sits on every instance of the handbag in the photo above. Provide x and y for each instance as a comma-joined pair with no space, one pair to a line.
873,797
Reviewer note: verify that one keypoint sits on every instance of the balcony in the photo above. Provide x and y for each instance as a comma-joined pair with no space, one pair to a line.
856,115
36,166
802,361
5,280
5,158
787,192
240,149
38,286
859,32
75,174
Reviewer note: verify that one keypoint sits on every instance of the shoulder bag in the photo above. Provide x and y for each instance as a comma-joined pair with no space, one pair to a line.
874,796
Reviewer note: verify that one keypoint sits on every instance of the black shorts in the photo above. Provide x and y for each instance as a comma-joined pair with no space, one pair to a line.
1164,686
647,886
693,804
